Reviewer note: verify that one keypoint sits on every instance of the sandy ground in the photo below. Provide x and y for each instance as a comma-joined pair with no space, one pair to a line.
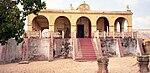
116,65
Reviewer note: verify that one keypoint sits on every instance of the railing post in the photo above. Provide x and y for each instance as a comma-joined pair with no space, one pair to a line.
107,34
63,34
122,34
132,34
104,35
97,33
74,34
94,34
113,35
40,34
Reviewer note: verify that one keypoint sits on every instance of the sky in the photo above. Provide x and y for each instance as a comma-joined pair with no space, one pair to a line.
140,8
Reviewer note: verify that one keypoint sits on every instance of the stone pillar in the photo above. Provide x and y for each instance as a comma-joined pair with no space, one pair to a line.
51,27
143,62
111,28
93,29
129,28
25,49
30,19
73,38
3,54
51,47
132,34
73,29
129,23
102,64
29,27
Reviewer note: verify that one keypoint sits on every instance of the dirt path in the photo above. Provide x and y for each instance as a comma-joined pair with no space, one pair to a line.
116,65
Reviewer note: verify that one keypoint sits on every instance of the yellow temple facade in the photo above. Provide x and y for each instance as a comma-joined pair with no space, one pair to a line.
81,20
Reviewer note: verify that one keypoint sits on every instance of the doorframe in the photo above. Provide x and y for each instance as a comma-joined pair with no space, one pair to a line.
78,31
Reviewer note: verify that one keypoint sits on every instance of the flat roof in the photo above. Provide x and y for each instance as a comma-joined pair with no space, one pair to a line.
87,12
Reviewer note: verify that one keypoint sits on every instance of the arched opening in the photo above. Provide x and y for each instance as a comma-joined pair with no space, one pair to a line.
122,22
102,24
62,23
83,27
40,23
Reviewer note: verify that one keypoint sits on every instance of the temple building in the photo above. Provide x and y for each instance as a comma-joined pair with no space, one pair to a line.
78,33
87,33
81,20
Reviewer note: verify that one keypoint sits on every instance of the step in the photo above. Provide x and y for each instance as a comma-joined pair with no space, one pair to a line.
86,44
88,48
88,52
85,58
85,48
88,55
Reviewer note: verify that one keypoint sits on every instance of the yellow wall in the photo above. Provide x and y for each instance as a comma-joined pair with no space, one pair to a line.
74,16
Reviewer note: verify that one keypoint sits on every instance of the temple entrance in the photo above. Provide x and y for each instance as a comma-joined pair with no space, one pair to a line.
80,30
83,28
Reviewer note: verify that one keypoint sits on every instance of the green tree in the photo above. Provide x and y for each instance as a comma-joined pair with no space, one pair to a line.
12,18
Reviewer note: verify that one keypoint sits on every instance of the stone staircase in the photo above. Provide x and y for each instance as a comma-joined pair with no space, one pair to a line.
87,50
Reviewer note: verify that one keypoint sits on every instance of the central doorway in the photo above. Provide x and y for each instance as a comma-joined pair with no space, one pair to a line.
80,31
83,27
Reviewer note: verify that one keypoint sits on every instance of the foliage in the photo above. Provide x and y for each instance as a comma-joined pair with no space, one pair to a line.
12,18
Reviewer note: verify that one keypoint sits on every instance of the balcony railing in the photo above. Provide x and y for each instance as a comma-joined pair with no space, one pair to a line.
115,34
38,34
35,34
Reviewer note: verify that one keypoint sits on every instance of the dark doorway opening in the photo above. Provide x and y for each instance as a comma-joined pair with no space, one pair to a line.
80,31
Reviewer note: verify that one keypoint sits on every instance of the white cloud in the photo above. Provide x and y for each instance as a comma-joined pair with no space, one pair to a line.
141,22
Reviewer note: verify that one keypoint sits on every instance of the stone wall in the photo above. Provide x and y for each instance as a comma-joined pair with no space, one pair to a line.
129,45
12,51
59,45
38,48
109,47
